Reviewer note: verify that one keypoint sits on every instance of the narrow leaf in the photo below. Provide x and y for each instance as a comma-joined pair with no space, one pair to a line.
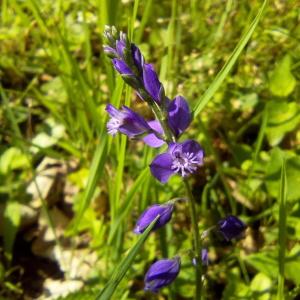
282,231
97,166
229,64
123,267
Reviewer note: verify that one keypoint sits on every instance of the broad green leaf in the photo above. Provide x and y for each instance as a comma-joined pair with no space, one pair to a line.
235,288
13,158
201,103
267,263
282,81
292,173
264,262
261,286
124,266
292,265
283,117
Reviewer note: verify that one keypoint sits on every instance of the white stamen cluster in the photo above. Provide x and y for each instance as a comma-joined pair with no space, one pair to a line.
185,163
113,125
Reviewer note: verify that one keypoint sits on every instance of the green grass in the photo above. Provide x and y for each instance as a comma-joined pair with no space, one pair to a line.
233,61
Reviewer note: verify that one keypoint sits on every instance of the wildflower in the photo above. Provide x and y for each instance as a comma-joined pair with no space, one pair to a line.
126,121
162,273
152,85
164,211
231,227
181,158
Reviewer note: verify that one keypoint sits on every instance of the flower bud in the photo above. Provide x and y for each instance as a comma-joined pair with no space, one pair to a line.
204,258
162,273
231,227
164,211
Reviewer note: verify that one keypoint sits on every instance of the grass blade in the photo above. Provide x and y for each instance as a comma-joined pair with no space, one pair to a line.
282,231
229,64
97,166
128,202
121,270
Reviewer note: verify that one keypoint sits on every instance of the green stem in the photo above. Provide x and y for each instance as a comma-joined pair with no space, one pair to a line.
197,241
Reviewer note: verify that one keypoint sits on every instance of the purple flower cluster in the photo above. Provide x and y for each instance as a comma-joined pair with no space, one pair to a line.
174,115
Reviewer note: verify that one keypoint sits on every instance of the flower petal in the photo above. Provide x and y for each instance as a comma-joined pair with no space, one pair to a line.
161,274
151,82
133,124
113,112
179,115
231,227
111,52
191,146
155,125
121,67
164,210
161,167
153,141
120,47
137,57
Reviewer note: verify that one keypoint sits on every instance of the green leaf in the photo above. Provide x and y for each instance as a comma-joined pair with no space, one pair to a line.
264,262
235,288
12,219
292,265
229,64
292,174
282,81
12,159
283,117
124,266
267,263
282,231
261,286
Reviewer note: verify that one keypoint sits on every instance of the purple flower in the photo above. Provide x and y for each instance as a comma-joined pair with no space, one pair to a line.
181,158
204,258
152,85
231,227
162,273
126,121
179,115
165,211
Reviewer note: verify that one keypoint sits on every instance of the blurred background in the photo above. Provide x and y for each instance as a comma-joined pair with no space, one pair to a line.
70,195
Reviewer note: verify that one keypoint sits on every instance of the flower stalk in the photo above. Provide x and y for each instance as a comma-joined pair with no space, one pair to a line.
197,241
